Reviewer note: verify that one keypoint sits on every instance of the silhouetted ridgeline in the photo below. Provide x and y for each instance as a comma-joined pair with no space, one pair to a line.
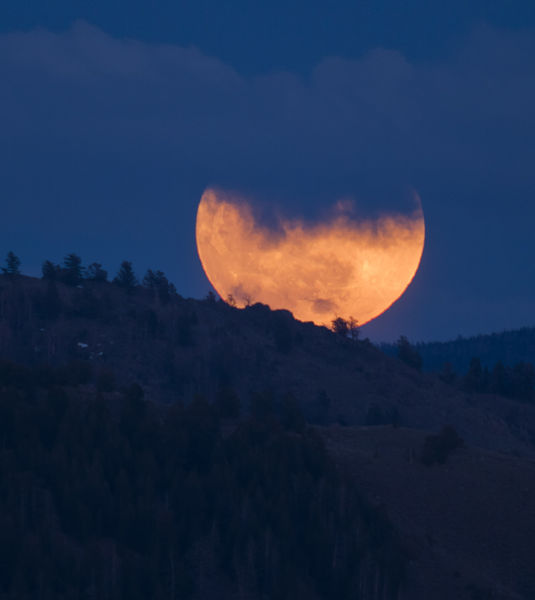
175,348
508,348
153,446
516,382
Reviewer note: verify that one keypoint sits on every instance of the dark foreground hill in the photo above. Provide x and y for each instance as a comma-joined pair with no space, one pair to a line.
112,497
153,446
467,525
177,348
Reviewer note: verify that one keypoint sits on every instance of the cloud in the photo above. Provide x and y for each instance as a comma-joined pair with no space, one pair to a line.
157,124
349,115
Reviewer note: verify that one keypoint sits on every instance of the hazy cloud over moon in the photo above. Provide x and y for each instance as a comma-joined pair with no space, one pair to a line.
112,142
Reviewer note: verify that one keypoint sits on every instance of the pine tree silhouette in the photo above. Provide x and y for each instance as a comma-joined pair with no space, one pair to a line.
12,268
126,277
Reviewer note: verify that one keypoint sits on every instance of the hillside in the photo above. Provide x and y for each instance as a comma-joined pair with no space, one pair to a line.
178,348
156,446
468,524
108,496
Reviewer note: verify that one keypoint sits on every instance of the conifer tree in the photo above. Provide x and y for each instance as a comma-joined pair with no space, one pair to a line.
49,270
12,268
158,282
149,281
72,271
95,272
126,277
408,354
475,379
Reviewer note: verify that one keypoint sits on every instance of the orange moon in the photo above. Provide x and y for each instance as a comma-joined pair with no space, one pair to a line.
338,268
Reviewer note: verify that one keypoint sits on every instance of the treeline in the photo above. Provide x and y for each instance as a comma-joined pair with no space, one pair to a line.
507,347
72,272
104,495
149,330
516,382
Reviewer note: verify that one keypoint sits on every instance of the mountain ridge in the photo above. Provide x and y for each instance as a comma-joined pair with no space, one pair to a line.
508,347
180,348
127,391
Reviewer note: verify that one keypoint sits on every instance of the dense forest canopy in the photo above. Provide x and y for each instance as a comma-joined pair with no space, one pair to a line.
107,496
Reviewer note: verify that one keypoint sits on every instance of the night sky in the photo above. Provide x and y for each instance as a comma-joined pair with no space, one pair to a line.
115,117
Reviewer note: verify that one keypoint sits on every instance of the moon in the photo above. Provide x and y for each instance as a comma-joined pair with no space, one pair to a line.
337,268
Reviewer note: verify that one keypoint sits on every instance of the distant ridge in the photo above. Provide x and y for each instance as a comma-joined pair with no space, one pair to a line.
508,347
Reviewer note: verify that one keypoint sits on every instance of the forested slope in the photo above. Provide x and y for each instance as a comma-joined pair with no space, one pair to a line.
104,495
178,349
163,447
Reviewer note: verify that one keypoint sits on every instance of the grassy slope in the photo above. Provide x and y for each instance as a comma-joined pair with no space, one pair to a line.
469,522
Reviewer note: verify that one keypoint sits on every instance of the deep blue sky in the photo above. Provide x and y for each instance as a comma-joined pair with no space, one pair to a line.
116,115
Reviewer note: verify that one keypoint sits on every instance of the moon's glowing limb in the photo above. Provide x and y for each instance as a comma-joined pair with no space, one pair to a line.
334,269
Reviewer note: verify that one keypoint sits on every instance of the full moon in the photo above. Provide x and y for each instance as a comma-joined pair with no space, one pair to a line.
337,268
